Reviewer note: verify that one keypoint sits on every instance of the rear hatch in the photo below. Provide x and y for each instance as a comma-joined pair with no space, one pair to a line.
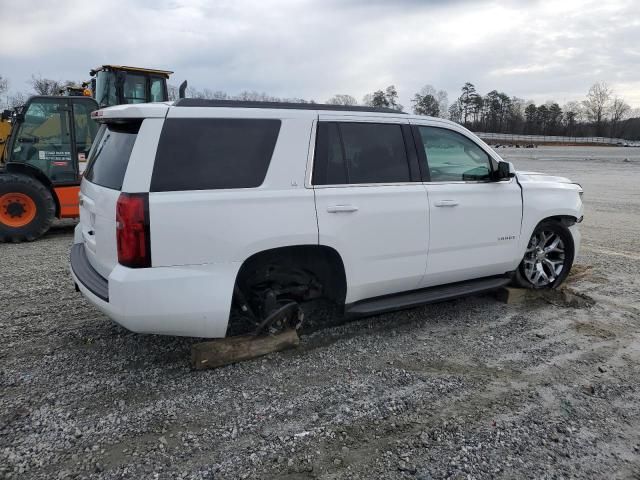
100,189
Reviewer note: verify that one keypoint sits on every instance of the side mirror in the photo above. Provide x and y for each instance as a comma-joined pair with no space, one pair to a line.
505,171
5,115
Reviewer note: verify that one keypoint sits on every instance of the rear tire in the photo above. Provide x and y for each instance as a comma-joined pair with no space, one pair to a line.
27,208
548,258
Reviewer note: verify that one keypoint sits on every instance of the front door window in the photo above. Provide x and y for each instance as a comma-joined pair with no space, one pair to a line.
452,157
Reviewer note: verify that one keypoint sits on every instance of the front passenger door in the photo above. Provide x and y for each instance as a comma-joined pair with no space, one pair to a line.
475,221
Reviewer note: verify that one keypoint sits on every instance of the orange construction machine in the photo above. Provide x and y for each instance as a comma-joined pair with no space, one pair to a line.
45,144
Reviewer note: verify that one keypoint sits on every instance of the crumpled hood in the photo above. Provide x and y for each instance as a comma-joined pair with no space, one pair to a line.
540,177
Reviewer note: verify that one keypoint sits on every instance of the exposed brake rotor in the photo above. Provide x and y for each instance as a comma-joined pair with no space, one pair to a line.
279,314
289,315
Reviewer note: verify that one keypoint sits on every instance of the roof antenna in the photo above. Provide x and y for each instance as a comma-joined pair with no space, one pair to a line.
182,89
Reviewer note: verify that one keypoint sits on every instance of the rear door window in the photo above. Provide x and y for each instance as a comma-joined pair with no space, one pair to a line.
360,153
213,153
110,156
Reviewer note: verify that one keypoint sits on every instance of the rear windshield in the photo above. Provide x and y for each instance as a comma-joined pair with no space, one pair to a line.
109,156
213,153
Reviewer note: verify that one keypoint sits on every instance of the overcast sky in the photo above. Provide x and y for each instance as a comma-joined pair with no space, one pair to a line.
535,50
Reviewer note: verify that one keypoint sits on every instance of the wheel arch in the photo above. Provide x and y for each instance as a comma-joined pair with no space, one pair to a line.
531,220
31,171
565,221
324,261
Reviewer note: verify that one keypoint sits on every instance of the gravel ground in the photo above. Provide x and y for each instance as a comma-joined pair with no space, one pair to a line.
471,388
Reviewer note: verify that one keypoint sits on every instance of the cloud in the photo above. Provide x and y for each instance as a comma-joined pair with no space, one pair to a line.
313,49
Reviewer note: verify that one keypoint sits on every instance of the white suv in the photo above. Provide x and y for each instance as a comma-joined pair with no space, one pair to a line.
196,212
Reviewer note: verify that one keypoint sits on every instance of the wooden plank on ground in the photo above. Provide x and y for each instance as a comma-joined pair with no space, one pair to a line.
225,351
512,295
563,296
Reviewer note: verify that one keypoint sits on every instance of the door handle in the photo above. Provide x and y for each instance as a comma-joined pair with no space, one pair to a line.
446,203
342,209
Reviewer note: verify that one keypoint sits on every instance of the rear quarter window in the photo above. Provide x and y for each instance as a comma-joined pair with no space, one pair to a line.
213,153
109,157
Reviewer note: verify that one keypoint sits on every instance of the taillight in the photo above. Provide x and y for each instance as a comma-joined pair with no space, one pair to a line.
132,230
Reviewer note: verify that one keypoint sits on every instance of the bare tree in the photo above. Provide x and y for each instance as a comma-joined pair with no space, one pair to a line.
245,95
573,114
342,99
576,109
4,85
597,104
215,95
16,100
515,114
455,112
45,86
255,96
172,92
619,112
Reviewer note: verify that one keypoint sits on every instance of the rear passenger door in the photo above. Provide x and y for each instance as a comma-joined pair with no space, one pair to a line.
371,205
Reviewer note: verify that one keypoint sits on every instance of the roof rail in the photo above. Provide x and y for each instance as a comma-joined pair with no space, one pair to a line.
200,102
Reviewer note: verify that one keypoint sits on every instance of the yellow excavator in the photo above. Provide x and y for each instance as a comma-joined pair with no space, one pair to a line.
44,146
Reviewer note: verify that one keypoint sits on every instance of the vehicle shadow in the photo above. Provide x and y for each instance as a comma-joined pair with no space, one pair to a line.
172,352
61,227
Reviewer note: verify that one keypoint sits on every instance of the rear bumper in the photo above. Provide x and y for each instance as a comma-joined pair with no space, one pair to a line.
192,300
86,274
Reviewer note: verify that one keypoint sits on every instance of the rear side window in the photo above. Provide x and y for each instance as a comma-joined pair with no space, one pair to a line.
358,153
213,153
110,155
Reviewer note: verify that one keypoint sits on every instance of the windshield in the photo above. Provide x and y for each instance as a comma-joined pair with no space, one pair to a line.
105,93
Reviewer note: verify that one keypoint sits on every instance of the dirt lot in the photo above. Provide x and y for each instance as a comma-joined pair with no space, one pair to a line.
466,389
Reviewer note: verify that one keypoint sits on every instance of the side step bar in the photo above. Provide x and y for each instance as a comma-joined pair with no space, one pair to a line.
415,298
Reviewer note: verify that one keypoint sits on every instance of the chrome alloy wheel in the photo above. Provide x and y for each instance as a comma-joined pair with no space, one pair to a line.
544,259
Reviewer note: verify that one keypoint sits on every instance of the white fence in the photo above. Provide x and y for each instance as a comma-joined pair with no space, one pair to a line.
513,138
